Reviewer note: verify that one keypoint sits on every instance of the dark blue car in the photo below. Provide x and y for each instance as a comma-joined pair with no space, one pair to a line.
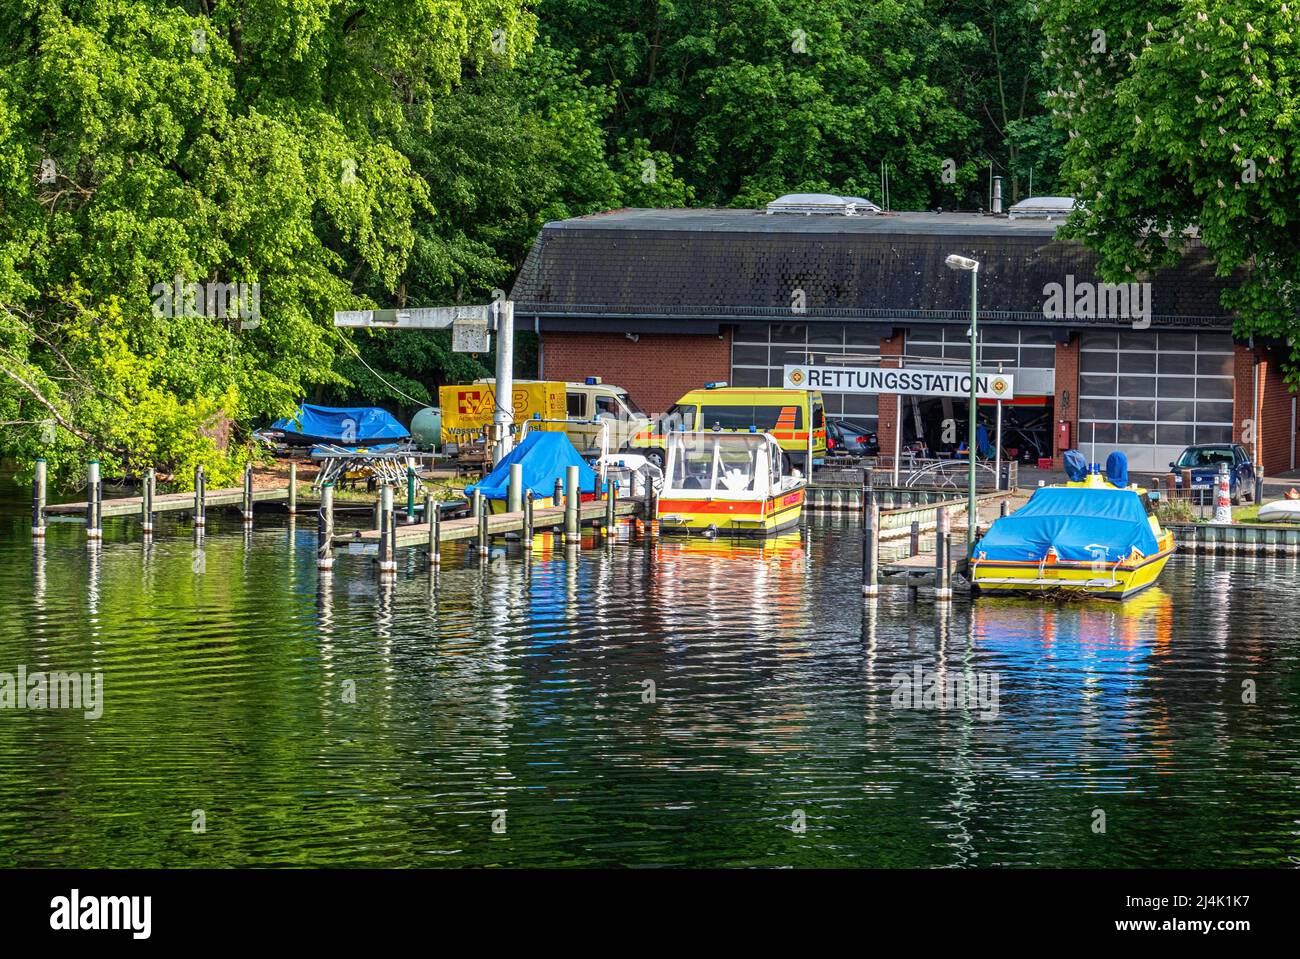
1204,462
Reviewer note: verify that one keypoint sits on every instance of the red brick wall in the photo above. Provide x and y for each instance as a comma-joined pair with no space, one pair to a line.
888,402
1067,381
1274,413
656,370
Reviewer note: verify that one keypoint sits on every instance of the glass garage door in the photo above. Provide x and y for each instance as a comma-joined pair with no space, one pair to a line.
1151,394
760,351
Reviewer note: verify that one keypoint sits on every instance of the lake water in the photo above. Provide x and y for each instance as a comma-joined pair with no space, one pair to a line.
504,714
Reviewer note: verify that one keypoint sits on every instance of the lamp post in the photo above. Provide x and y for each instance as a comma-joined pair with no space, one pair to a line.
955,262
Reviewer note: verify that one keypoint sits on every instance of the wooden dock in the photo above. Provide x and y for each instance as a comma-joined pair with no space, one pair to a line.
169,502
498,524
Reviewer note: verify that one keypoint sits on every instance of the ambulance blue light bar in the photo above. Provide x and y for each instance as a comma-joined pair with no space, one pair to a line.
715,386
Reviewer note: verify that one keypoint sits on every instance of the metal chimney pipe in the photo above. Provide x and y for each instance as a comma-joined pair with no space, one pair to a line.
997,194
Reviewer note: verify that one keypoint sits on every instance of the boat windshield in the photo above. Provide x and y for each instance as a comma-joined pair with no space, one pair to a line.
723,463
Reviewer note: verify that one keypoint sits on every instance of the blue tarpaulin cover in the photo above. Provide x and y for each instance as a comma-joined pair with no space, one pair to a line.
343,424
545,457
1083,524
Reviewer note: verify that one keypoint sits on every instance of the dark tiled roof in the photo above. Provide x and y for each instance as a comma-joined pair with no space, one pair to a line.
616,269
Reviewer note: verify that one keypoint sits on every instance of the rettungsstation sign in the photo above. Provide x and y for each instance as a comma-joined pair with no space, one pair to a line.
914,381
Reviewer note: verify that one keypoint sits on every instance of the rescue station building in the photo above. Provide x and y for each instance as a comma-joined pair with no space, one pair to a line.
664,301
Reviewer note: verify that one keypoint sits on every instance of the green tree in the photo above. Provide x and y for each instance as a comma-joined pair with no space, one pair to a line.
1181,118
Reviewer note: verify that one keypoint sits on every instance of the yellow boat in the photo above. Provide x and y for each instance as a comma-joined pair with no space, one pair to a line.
1092,536
716,482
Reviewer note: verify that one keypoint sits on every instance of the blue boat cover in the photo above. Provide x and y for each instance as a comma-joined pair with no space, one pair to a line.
1076,467
344,424
1117,469
545,457
1082,524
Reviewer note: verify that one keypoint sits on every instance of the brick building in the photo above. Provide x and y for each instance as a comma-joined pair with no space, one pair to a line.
662,301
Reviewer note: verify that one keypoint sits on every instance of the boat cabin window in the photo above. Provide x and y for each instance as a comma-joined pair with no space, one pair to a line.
713,465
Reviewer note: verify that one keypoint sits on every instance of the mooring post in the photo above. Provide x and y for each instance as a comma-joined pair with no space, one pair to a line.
914,543
435,531
870,543
410,493
93,492
1005,508
387,564
515,491
611,508
572,497
146,502
248,493
38,498
528,518
481,540
325,528
557,498
942,548
200,497
293,488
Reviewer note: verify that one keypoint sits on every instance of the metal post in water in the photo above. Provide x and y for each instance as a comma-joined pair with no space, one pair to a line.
870,543
146,502
325,528
572,497
432,515
557,499
515,490
1005,508
410,493
248,493
293,488
387,564
200,498
38,498
482,540
93,493
378,517
528,518
942,549
476,504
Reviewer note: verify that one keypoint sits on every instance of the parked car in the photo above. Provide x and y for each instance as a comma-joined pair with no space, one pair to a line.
846,438
1204,462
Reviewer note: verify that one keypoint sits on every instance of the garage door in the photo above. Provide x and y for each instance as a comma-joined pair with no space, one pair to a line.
1151,394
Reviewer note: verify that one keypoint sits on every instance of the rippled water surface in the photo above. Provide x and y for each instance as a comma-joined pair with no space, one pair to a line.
523,687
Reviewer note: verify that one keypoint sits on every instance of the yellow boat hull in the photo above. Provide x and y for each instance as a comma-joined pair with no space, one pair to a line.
766,517
1069,578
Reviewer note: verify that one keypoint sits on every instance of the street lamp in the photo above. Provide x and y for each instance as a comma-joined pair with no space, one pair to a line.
955,262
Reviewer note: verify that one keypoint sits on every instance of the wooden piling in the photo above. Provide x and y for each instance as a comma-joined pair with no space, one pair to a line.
611,506
293,488
942,547
325,528
200,498
870,543
248,493
572,496
387,564
914,544
431,516
94,490
39,479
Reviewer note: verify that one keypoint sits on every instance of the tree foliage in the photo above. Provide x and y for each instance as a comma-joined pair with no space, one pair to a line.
1182,118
